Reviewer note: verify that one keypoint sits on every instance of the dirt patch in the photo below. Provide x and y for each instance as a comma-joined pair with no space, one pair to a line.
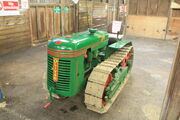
152,112
3,104
73,108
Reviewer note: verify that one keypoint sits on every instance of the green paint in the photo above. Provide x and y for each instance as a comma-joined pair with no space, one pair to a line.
57,9
114,9
115,84
73,71
66,9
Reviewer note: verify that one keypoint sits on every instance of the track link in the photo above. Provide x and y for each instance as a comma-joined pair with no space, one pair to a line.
98,77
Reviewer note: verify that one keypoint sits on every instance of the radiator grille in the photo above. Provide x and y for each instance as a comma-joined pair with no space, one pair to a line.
63,83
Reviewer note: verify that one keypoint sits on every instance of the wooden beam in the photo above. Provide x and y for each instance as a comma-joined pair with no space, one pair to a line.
175,5
169,16
158,4
49,4
171,106
137,11
62,17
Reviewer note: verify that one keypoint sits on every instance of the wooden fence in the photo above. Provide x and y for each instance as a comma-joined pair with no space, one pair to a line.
42,22
14,33
44,1
154,19
94,15
45,23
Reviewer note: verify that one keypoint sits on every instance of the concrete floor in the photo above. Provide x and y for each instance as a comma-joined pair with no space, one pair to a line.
22,73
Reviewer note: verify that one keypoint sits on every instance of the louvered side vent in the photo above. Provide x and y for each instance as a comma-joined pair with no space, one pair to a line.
63,83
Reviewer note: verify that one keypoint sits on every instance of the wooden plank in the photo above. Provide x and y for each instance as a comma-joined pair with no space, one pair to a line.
175,13
9,18
57,25
152,7
147,26
47,26
13,22
50,22
8,43
10,27
41,21
48,4
62,17
171,105
14,33
66,22
110,14
142,7
15,30
174,28
163,8
66,1
99,16
133,7
15,45
71,20
33,24
10,50
85,14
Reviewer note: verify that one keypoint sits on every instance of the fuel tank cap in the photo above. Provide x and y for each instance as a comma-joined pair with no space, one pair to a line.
92,31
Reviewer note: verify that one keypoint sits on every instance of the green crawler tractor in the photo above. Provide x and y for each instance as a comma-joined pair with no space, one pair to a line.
92,62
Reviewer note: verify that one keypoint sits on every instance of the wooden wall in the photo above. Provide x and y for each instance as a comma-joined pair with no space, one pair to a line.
147,26
149,7
46,24
69,1
44,1
100,15
173,28
173,31
85,11
93,15
148,18
41,23
171,106
153,18
14,33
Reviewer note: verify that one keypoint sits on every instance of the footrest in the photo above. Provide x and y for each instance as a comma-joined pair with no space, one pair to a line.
119,44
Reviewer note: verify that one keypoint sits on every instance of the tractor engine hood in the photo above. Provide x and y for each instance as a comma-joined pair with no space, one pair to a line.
77,41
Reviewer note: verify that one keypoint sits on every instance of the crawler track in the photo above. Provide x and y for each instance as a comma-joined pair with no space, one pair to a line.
98,77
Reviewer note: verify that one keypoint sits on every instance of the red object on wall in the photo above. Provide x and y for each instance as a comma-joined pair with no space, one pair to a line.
10,5
1,6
